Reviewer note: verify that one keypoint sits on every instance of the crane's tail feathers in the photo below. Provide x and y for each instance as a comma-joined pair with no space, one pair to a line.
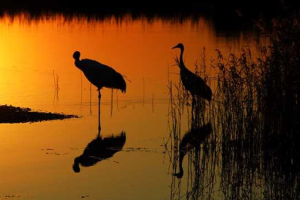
120,82
127,78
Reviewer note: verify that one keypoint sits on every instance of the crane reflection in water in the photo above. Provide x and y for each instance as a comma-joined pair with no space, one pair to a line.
98,150
192,140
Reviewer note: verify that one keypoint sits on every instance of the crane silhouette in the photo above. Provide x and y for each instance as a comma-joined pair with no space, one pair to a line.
99,75
192,139
98,150
193,83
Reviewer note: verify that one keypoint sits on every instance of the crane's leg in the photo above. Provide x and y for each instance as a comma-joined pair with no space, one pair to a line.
99,123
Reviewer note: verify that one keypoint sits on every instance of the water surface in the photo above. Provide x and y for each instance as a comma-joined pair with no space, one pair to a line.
37,71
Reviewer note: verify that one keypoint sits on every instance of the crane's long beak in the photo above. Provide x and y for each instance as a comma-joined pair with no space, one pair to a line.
175,47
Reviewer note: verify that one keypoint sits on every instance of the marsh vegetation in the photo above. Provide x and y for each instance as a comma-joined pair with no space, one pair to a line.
254,143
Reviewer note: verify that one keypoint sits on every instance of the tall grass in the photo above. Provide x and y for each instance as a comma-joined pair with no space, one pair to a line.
56,87
255,120
195,146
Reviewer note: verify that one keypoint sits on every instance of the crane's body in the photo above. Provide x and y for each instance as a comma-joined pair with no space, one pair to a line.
100,75
193,83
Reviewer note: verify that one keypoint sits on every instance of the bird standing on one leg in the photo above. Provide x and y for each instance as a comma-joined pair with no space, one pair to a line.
101,76
193,83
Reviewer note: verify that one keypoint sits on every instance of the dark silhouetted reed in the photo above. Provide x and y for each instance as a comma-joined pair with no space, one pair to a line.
254,144
56,88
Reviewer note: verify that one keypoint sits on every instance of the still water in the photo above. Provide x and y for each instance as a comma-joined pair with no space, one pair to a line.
36,56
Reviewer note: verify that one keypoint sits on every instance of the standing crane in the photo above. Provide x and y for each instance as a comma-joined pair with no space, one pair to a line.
100,75
193,83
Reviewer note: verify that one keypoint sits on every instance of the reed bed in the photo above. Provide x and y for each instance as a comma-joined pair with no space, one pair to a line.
252,151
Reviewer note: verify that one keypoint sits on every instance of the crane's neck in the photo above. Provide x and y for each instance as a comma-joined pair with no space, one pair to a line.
181,156
77,160
181,64
78,64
